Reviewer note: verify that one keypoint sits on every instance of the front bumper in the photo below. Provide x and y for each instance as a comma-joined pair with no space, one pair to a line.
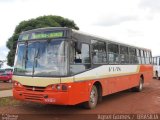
59,98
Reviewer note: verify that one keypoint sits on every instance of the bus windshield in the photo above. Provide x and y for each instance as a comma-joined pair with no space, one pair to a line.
41,58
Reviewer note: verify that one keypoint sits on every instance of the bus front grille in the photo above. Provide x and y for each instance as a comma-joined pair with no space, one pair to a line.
33,97
37,89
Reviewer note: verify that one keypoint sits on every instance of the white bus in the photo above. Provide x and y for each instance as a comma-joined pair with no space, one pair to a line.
156,67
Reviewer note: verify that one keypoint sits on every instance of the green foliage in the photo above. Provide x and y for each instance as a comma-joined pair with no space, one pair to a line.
40,22
8,101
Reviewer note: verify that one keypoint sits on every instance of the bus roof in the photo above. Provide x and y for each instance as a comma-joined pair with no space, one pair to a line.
82,33
156,56
109,40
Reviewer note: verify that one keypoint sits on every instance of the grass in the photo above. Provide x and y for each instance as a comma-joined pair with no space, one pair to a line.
8,101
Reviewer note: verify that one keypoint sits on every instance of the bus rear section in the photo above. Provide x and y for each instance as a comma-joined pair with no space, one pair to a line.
66,67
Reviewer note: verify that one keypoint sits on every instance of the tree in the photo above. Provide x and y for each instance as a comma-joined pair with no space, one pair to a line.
40,22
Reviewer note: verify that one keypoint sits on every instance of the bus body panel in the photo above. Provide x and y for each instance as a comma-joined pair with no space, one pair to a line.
78,90
36,81
77,85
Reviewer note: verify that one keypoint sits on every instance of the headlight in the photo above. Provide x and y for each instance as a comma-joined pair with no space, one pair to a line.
58,87
17,84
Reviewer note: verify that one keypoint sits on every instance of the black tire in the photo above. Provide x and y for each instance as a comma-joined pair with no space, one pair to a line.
93,99
139,88
157,77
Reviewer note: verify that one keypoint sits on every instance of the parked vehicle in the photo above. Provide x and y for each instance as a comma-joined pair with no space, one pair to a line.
156,67
67,67
6,75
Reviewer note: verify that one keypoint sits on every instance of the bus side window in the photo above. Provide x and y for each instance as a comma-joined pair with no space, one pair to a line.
142,57
98,52
155,61
152,60
124,57
113,53
147,57
79,59
150,57
132,56
138,56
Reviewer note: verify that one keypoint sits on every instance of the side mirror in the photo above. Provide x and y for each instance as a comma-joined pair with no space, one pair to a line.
78,47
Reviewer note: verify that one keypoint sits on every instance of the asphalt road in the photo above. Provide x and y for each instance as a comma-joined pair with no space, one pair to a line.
125,102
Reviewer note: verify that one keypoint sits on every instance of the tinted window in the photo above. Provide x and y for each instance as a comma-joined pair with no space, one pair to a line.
113,48
99,52
150,57
152,61
132,56
138,56
155,61
124,54
123,50
132,51
147,57
113,53
142,57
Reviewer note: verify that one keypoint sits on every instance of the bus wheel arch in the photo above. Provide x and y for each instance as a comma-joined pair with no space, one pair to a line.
139,88
96,88
142,77
99,89
141,82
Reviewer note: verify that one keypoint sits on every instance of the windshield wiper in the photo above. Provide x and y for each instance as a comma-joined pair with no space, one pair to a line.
24,57
35,61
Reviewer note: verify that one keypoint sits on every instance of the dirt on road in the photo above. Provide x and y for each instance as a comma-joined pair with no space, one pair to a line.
125,102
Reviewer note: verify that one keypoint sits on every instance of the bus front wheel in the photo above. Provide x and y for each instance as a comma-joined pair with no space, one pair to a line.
93,98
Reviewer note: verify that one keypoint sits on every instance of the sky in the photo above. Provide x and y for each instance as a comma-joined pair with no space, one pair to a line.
135,22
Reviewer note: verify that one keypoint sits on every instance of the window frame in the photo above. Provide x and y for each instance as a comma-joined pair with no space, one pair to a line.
78,64
135,62
106,52
126,54
113,52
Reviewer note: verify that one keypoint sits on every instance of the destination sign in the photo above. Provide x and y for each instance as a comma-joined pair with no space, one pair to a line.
41,35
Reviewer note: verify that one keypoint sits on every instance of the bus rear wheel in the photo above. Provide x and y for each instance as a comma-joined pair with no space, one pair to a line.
139,88
93,98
